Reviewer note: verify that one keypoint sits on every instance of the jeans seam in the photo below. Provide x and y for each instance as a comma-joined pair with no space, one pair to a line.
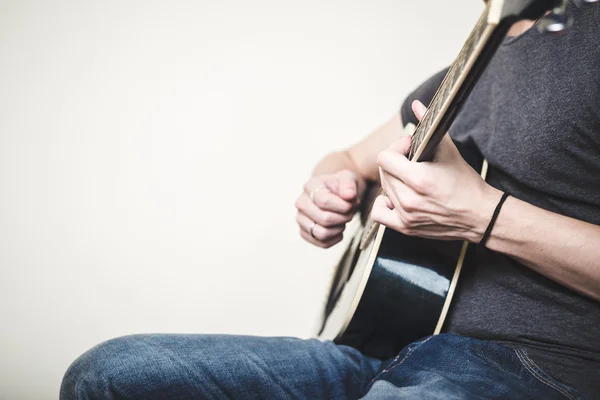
408,353
535,371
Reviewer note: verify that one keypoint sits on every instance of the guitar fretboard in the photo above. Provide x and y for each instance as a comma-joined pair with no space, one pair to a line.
449,87
445,95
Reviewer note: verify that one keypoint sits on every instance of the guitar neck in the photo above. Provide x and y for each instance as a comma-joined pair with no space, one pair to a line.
458,83
464,72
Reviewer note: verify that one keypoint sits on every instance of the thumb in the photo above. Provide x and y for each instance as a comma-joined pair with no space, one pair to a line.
419,109
343,185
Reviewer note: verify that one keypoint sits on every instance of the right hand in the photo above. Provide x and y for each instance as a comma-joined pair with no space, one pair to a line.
335,199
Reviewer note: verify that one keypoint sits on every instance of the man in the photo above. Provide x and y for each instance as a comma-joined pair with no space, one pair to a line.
525,320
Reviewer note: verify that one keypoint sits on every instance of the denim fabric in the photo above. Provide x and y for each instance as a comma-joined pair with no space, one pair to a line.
243,367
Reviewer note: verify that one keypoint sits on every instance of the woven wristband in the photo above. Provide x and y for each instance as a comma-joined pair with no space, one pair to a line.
486,235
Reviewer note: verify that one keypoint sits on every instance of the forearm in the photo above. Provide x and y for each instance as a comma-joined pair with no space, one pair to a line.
361,158
334,162
445,199
564,249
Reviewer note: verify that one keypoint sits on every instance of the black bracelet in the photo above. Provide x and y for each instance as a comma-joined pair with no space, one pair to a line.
486,235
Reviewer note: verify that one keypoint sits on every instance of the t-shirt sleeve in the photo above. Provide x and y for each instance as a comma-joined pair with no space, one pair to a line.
424,93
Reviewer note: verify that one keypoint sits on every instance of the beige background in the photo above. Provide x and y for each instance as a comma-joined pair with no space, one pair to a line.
151,153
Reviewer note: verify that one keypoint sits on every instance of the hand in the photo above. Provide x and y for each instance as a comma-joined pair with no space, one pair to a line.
444,199
326,205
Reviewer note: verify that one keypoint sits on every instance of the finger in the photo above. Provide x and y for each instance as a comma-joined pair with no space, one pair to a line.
337,193
388,202
313,186
306,236
343,184
404,198
384,215
401,145
385,185
419,109
321,233
321,217
399,166
328,201
409,129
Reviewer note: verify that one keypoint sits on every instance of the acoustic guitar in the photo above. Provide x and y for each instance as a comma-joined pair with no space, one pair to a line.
390,289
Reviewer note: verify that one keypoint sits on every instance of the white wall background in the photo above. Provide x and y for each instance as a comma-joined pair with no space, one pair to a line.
151,153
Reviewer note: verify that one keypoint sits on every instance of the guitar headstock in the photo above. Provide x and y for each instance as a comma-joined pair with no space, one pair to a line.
552,14
559,19
488,34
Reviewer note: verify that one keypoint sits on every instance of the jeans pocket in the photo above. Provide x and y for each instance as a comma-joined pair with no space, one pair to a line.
532,368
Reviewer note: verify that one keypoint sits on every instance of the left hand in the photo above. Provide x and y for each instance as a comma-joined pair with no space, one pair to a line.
444,199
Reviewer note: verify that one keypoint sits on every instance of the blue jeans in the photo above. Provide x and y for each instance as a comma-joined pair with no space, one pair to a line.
241,367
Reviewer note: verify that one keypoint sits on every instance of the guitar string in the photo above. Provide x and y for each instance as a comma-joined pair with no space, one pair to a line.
440,99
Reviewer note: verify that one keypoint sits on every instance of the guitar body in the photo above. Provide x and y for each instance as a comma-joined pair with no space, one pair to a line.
390,289
409,279
393,292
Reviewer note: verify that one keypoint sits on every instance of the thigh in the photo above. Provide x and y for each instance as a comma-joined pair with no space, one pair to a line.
217,367
455,367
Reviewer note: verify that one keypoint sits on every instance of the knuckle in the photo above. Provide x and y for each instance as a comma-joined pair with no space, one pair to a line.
333,183
347,174
322,201
423,183
381,157
418,185
320,233
327,219
409,204
347,208
306,186
408,220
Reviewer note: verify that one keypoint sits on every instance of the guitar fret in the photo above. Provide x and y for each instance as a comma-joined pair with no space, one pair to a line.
439,101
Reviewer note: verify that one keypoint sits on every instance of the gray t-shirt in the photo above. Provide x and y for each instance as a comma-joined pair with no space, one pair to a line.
535,116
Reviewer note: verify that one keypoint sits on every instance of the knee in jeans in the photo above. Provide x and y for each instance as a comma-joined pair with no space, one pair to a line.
94,374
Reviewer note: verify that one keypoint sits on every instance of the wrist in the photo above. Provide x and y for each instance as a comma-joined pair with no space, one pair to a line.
484,211
335,162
